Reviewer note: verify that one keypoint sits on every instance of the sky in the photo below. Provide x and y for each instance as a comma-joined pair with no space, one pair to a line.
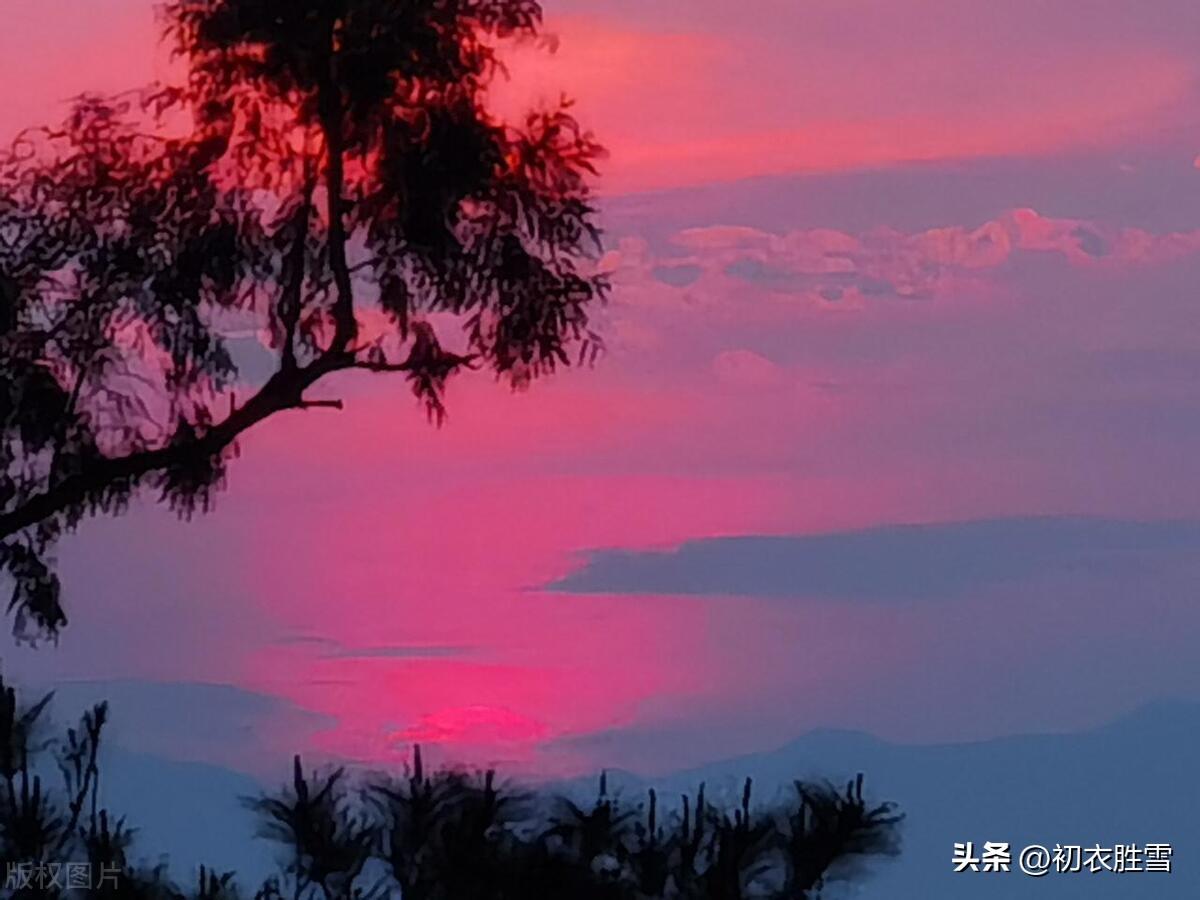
897,429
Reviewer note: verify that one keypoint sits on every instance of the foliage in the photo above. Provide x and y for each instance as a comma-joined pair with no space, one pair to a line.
327,176
453,835
443,835
49,830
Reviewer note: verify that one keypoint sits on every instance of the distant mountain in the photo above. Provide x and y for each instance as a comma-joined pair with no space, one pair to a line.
1135,781
189,812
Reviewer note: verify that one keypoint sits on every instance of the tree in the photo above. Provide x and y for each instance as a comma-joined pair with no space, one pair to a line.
454,835
441,835
328,175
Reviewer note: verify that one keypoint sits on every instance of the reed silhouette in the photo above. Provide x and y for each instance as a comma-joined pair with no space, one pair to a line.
328,175
428,835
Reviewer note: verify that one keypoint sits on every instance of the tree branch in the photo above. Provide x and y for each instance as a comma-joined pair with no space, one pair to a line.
449,361
283,390
320,404
331,116
289,301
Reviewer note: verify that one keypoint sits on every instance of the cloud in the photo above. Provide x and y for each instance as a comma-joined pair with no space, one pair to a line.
1149,188
951,790
855,86
684,96
893,563
832,268
745,368
677,276
413,651
328,648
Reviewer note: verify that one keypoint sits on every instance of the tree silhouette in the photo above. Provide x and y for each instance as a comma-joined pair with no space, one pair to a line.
832,831
442,835
329,844
46,828
327,176
452,835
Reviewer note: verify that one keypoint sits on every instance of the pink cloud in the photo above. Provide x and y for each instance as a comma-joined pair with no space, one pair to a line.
745,368
837,270
682,95
679,107
760,382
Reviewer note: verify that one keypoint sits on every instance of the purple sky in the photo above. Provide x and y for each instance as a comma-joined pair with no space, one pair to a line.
876,263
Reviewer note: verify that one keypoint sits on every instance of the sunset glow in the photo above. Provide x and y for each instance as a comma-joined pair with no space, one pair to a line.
871,267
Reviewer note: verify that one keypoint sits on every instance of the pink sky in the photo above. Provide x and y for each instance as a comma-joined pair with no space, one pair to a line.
773,369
